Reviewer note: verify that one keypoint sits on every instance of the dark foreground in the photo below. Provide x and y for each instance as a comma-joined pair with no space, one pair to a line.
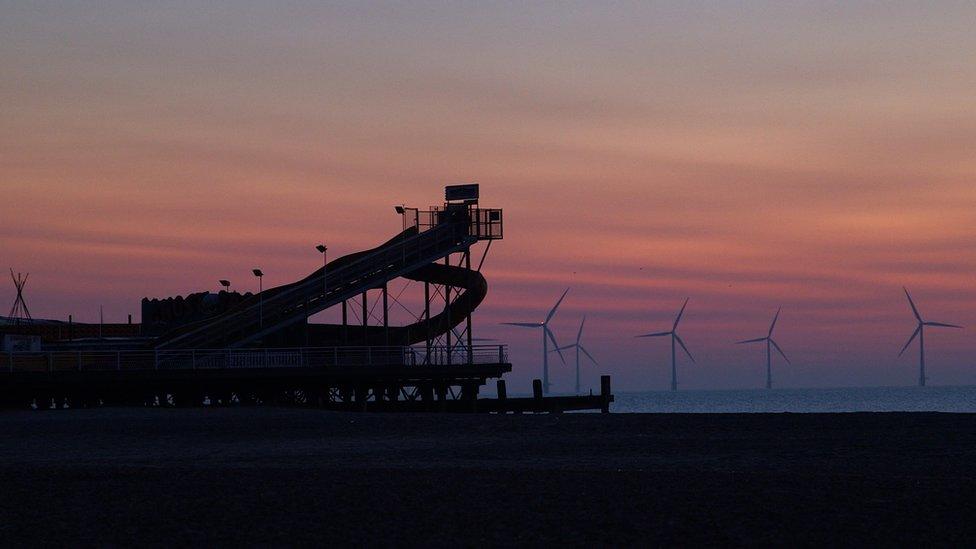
303,477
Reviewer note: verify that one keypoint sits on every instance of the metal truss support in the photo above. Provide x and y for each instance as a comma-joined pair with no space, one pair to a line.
447,310
386,315
467,265
427,319
365,319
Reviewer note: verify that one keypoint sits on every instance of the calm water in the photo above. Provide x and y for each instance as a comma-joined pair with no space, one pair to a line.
850,399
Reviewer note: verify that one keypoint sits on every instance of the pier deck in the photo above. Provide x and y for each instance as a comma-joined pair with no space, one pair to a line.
341,378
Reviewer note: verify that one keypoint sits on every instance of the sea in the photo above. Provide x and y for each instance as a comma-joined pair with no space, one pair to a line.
960,399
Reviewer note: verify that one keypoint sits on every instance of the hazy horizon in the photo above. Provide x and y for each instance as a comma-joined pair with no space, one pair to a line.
814,156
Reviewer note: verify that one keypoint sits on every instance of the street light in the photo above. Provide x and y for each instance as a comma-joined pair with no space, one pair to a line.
402,210
225,284
259,274
323,249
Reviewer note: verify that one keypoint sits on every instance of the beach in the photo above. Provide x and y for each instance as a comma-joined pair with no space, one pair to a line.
291,476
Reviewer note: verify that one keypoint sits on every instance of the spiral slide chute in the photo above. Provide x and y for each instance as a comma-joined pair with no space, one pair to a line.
411,254
473,288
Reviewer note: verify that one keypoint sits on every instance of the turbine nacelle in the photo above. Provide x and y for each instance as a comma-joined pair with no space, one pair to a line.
772,342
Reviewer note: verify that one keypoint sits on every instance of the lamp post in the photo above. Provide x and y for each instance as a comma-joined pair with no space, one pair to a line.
259,274
402,211
324,250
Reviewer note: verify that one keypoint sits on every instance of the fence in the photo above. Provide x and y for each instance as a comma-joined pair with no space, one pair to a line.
295,357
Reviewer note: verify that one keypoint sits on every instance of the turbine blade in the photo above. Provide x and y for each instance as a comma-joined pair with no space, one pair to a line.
773,325
563,348
941,325
678,318
780,351
556,306
758,339
588,355
552,338
912,303
579,335
682,343
910,340
655,334
522,324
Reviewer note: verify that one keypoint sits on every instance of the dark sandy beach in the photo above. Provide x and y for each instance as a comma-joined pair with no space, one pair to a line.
303,477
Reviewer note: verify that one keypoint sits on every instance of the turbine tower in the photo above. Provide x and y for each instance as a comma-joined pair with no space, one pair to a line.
920,333
547,335
769,357
579,348
674,337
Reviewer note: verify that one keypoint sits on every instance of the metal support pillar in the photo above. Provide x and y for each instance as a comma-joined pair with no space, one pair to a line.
467,265
441,389
427,319
306,322
365,319
362,395
386,316
345,324
447,311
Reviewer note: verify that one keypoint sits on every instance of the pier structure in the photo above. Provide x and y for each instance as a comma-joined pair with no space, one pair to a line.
230,348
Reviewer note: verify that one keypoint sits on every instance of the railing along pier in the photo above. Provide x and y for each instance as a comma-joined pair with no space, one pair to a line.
289,357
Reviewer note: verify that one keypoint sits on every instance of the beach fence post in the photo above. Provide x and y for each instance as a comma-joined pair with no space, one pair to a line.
502,396
537,394
605,394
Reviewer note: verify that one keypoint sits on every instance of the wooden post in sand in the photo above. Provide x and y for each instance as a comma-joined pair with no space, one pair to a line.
605,393
362,395
502,396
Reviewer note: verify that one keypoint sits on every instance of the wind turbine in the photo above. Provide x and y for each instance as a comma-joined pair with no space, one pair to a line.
920,332
769,342
674,337
579,348
547,335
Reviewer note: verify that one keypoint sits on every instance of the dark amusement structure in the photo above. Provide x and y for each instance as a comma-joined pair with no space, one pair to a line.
227,347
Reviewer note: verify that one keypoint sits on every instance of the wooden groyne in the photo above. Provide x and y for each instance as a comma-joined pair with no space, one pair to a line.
553,404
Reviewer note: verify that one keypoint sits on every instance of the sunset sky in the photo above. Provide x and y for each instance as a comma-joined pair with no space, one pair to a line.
814,155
